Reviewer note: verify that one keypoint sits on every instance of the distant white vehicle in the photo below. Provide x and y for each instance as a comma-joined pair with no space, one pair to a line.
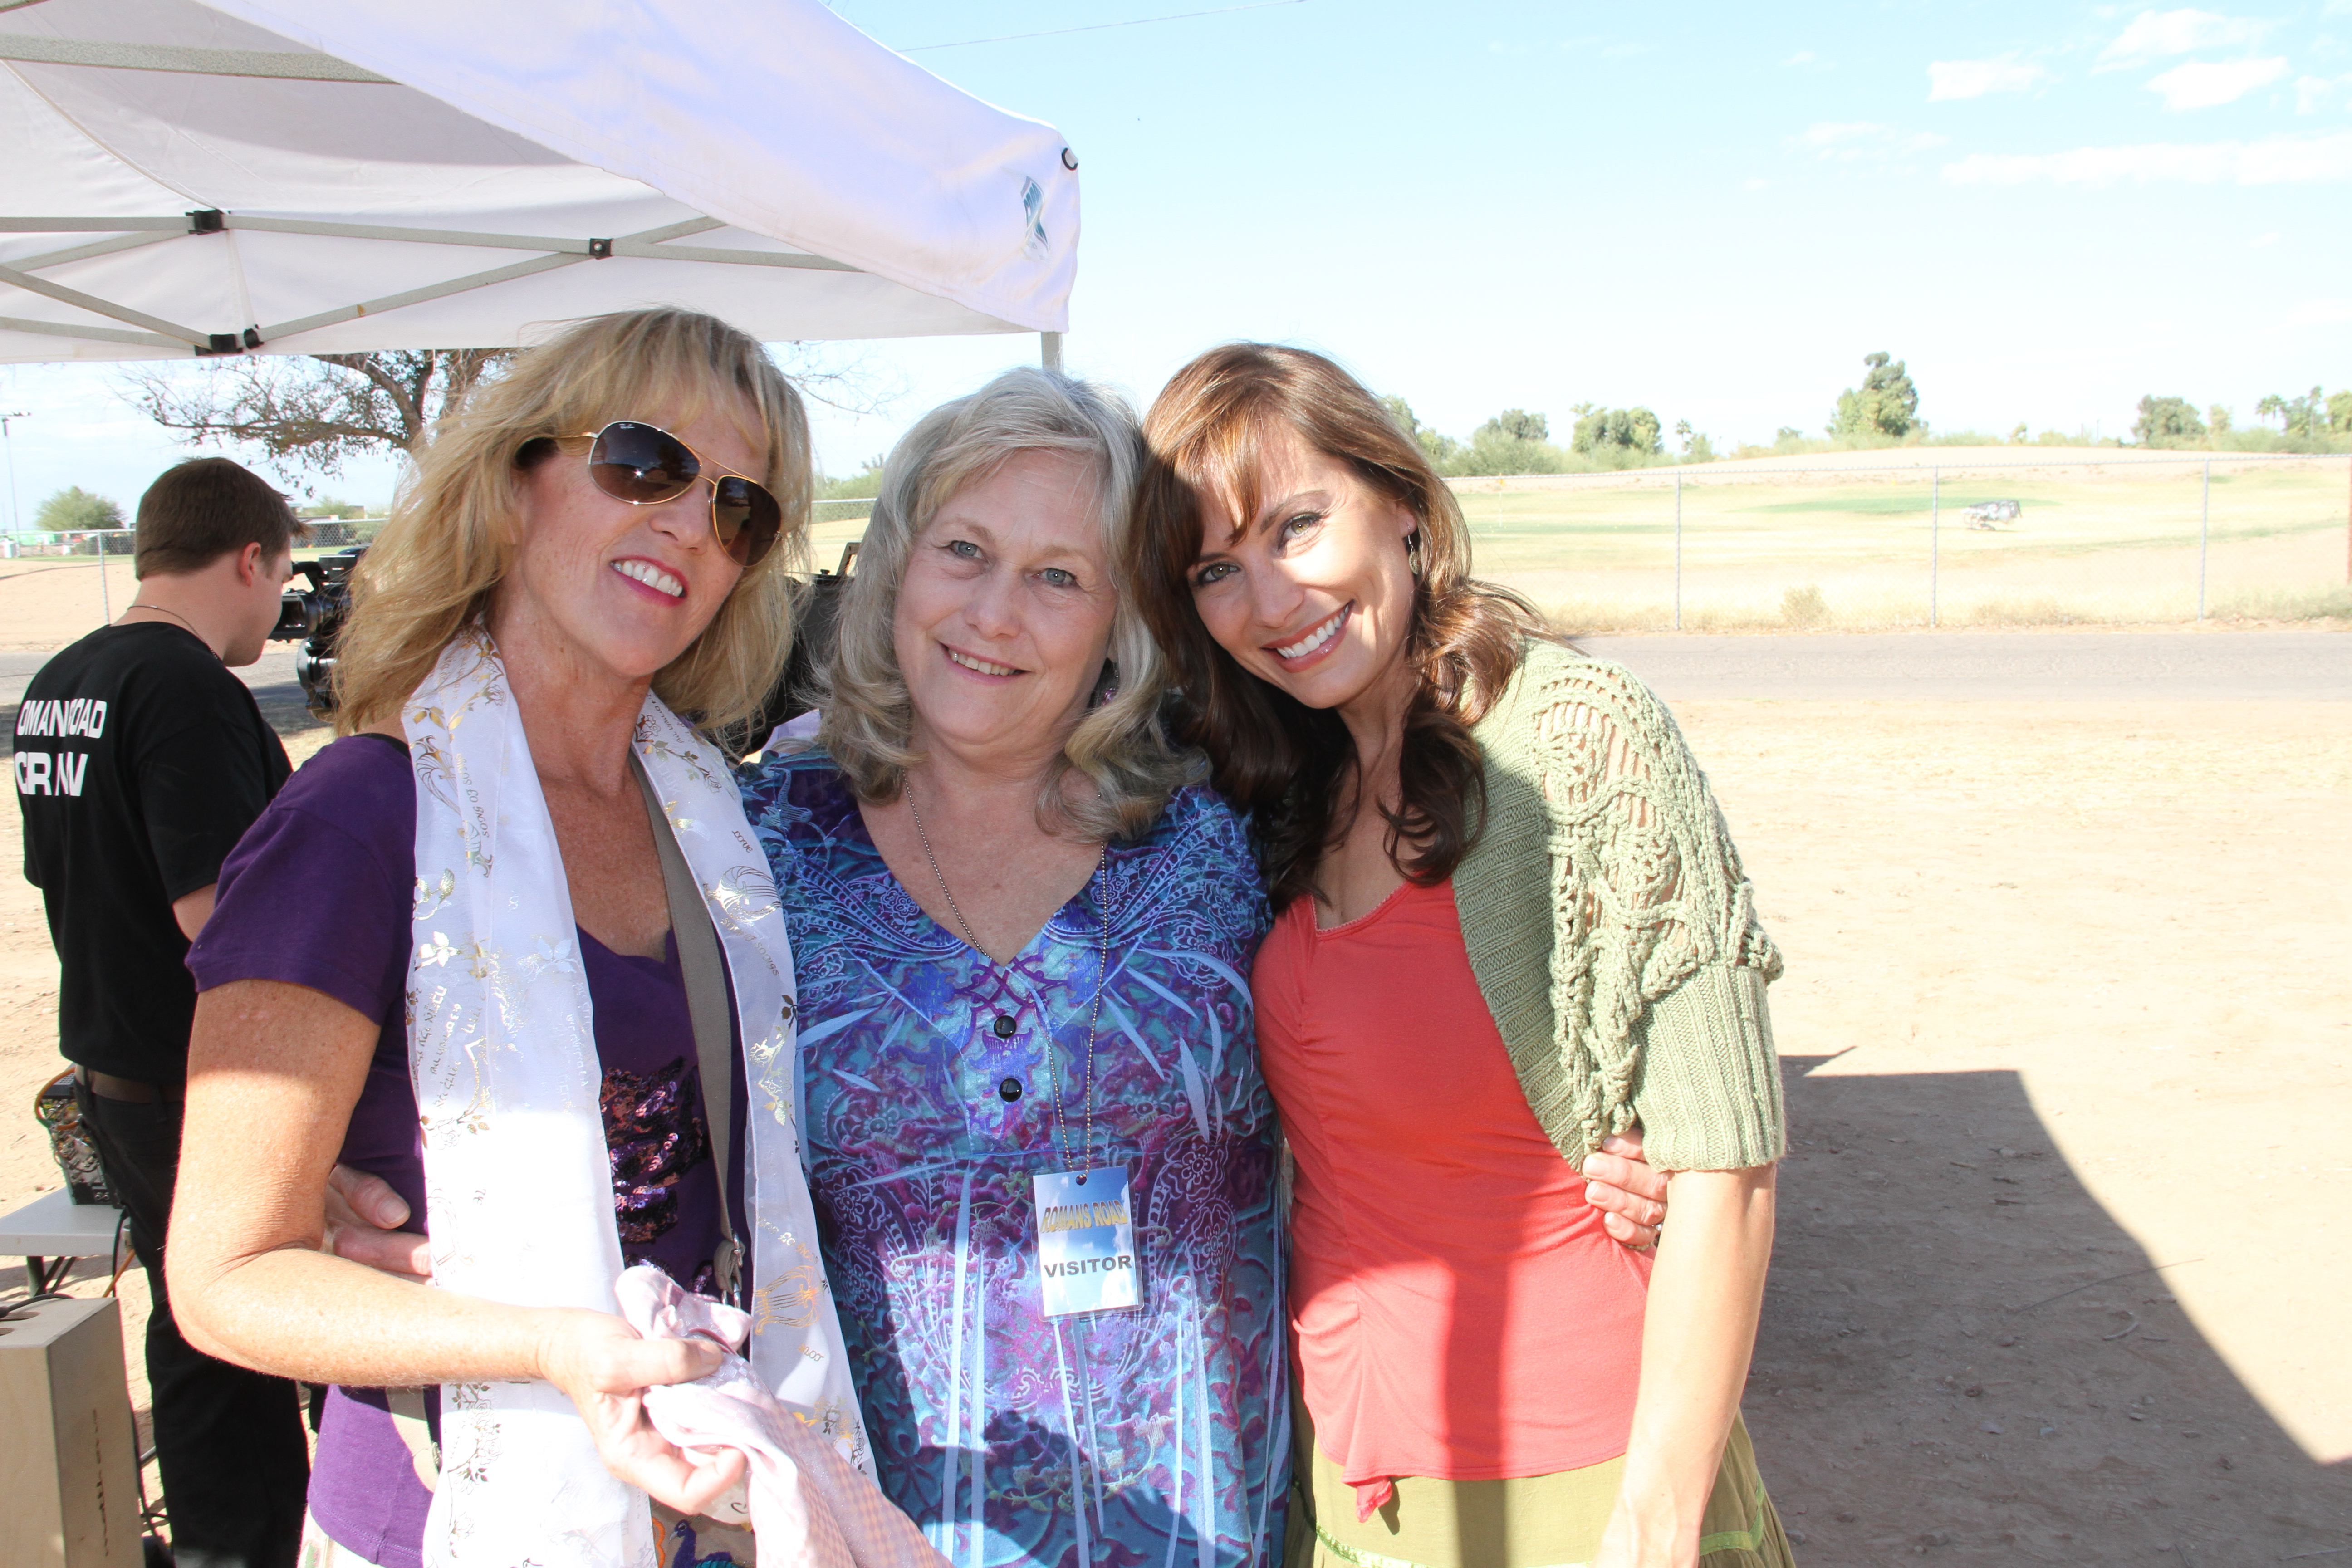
1986,513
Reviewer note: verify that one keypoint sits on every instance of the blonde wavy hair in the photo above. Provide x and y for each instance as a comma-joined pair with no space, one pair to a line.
869,720
436,567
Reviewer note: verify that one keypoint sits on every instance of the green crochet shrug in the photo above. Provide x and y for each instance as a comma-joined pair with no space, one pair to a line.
1612,928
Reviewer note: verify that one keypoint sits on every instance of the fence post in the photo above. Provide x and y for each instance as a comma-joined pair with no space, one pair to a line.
1935,539
2204,536
1678,550
105,599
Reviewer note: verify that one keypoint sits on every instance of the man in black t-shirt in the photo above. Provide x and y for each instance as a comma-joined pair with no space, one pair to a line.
140,761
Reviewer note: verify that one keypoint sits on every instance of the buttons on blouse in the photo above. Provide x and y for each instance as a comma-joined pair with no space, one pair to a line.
1009,1089
1003,1027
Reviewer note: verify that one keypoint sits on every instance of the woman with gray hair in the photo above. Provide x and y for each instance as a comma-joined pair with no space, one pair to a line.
1042,1157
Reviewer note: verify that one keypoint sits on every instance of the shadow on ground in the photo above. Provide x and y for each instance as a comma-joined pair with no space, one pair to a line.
2058,1407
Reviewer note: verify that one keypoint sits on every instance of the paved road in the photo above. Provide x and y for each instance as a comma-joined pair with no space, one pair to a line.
272,677
1943,666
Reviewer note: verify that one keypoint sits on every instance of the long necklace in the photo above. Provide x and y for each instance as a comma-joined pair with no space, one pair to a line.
163,610
1102,973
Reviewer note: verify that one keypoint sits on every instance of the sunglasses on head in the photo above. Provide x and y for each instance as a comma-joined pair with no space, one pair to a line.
645,465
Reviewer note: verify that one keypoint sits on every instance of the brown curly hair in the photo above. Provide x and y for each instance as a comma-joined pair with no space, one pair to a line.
1288,765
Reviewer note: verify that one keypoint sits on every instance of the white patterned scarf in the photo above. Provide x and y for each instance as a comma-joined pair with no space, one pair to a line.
519,1185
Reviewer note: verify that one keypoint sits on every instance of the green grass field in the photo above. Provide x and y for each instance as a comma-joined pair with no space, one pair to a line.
1841,549
1834,549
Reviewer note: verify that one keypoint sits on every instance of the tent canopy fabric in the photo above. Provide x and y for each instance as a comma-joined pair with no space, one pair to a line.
325,177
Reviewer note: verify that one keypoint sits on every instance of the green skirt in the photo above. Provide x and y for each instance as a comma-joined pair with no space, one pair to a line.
1541,1522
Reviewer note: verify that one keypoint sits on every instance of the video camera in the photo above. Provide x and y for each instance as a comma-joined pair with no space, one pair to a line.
816,609
315,616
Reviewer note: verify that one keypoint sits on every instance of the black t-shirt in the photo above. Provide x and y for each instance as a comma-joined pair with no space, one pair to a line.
141,761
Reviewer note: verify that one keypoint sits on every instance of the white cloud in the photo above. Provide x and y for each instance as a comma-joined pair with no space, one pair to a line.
2152,35
1756,185
2207,84
2312,92
1805,59
1974,79
1831,132
1864,141
2263,241
2273,161
2321,313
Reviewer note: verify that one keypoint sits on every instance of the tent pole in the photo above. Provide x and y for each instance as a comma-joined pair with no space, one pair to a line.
1049,354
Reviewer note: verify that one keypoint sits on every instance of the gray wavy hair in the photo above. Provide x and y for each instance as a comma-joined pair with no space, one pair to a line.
868,719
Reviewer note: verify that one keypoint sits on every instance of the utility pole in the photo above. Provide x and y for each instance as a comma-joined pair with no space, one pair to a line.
15,511
2204,536
1934,541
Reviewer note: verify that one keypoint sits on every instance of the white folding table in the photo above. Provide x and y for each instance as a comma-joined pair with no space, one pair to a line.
52,1231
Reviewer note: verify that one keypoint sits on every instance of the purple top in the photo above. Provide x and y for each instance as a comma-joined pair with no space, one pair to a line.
319,894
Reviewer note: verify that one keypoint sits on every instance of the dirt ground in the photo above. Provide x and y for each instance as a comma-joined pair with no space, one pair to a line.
47,603
2068,1031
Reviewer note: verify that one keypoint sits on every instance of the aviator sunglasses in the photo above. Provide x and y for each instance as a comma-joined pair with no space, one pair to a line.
645,465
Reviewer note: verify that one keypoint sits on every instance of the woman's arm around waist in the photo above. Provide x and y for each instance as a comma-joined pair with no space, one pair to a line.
274,1070
1698,1331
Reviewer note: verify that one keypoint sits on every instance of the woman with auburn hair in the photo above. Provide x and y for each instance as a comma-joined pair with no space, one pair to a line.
1509,923
476,914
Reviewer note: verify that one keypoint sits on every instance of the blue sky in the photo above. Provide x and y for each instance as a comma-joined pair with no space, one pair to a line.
1715,210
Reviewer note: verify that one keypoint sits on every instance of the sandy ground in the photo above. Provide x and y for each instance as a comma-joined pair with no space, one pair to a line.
2067,1035
2068,1040
47,603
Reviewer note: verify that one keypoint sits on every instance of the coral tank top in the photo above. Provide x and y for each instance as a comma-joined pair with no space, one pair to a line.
1459,1311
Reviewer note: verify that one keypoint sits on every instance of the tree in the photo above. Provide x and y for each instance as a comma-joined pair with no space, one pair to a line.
1517,425
1604,431
1442,449
2308,415
75,508
2167,422
2218,418
2339,412
1513,442
1885,404
318,412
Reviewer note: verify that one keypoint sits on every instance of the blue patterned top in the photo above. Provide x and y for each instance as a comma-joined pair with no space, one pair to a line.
1155,1435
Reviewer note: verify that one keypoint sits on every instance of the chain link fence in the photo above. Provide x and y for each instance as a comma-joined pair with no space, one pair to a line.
2113,538
2118,538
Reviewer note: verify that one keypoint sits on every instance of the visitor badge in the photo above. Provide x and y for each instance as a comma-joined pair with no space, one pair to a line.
1085,1241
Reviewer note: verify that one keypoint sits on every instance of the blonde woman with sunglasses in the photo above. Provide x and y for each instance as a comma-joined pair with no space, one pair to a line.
446,957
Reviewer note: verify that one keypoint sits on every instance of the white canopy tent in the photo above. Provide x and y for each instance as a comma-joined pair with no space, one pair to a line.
323,177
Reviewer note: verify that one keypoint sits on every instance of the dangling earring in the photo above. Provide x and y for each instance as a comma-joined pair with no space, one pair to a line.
1412,551
1106,686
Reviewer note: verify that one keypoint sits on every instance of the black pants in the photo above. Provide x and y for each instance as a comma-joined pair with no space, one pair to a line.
230,1441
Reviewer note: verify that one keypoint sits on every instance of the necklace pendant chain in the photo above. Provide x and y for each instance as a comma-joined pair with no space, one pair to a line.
1102,978
164,610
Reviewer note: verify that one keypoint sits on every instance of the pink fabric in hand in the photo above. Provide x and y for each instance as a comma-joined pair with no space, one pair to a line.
810,1507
